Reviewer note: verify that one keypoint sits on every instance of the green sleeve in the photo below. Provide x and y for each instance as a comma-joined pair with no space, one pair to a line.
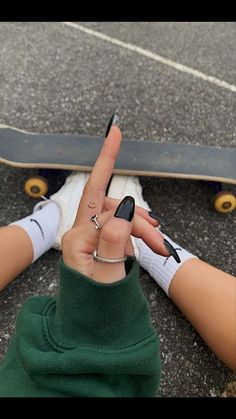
92,340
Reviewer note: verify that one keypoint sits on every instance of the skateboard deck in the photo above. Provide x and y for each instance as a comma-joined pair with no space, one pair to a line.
140,158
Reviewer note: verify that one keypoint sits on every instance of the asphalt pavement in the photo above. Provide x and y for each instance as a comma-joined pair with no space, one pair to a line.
58,78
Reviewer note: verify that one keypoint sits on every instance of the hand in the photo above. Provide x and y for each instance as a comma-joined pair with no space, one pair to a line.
113,239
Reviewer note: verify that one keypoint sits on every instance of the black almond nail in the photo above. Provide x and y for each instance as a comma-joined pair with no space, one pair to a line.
126,209
172,251
109,184
157,217
113,120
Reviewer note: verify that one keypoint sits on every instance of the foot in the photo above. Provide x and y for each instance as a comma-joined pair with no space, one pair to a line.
68,199
122,186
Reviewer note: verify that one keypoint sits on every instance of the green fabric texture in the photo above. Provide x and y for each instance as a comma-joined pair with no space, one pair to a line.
92,340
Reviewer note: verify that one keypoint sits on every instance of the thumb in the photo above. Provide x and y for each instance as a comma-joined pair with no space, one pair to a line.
113,241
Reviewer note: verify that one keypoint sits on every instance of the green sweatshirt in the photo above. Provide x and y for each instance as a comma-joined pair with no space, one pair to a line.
92,340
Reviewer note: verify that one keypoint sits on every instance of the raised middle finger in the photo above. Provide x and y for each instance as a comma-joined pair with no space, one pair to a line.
94,192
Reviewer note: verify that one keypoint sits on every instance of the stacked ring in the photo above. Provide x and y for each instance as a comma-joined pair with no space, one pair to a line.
105,260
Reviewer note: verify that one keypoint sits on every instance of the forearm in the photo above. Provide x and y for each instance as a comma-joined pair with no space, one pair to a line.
207,297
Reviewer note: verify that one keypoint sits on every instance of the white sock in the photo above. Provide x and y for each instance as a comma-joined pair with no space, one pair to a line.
161,268
41,227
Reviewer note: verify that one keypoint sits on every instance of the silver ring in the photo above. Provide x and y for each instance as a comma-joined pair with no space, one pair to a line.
105,260
94,218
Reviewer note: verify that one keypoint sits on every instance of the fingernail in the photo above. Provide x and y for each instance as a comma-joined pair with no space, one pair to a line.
158,218
109,184
172,251
114,119
126,208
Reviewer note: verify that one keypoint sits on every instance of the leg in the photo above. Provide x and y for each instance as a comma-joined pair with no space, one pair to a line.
24,241
207,297
16,253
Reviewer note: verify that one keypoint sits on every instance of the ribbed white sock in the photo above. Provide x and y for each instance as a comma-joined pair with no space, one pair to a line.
41,227
161,268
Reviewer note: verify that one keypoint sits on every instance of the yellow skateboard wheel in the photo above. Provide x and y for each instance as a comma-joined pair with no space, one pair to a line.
36,186
225,202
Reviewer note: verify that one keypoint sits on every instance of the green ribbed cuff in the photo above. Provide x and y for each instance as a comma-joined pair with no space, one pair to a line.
92,313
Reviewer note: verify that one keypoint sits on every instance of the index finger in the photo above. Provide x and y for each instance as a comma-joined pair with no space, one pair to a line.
92,199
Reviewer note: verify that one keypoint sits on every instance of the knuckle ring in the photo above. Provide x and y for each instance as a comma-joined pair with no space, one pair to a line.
94,218
106,260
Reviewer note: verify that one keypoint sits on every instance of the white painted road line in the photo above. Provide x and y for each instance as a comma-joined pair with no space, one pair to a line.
153,56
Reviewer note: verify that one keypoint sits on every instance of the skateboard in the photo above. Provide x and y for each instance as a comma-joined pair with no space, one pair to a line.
140,158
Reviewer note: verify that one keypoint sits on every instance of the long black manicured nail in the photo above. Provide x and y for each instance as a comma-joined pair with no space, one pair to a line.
126,208
113,121
108,186
157,217
172,251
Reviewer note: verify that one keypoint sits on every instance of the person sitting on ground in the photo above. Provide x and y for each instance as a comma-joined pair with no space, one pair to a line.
96,337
